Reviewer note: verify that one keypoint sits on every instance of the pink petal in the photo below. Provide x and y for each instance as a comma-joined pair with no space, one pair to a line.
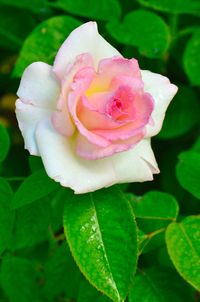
61,118
83,61
113,71
90,151
62,122
81,82
101,125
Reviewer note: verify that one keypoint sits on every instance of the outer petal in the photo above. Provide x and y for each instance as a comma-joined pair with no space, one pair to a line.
64,166
39,86
28,117
163,92
137,164
84,39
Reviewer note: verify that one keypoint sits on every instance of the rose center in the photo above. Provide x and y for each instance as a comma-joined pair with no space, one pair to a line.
114,108
116,104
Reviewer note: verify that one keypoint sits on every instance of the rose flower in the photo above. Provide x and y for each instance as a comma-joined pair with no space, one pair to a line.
91,115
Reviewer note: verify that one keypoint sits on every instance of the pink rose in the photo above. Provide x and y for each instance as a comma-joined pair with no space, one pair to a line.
90,116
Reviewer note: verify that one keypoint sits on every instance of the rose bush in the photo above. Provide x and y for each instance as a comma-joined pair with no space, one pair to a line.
91,115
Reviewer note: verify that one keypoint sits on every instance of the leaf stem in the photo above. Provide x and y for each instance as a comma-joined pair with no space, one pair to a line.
60,237
149,235
186,31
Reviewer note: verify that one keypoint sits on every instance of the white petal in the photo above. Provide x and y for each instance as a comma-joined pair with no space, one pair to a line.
84,39
137,164
163,92
63,165
28,117
39,86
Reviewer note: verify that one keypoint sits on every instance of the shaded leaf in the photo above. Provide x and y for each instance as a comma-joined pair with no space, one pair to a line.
61,273
49,35
11,37
35,6
35,163
97,10
6,214
158,285
34,187
174,7
4,143
163,258
32,222
191,58
88,293
18,280
183,112
188,171
57,209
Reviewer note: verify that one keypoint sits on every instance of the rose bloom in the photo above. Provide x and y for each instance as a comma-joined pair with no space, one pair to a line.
91,115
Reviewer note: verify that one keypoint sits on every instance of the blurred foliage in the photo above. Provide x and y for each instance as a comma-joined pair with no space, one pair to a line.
36,263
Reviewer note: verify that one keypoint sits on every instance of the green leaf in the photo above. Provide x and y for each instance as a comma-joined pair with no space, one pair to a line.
4,143
183,112
154,211
183,244
12,37
191,58
97,10
34,187
49,35
188,171
32,222
174,7
155,205
6,214
142,29
158,285
101,232
61,270
18,280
